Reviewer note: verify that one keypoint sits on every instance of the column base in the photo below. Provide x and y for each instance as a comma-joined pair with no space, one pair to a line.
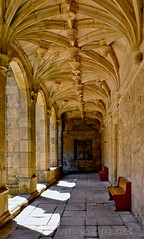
5,218
42,176
4,213
54,174
13,188
27,185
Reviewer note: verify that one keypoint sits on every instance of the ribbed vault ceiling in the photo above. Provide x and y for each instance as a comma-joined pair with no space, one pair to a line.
73,50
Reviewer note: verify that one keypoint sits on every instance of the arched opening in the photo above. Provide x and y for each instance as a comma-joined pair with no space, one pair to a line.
82,145
42,159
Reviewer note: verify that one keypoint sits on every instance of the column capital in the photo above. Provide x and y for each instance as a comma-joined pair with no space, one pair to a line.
102,128
138,56
3,63
58,121
34,96
48,113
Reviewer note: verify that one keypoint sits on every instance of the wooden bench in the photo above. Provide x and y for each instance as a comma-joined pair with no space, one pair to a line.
103,175
121,194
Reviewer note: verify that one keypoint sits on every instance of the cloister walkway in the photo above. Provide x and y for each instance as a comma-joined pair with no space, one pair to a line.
75,207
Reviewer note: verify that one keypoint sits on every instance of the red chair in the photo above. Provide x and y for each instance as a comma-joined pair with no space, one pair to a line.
103,175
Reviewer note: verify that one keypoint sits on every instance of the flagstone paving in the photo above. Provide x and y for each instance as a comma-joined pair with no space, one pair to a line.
76,207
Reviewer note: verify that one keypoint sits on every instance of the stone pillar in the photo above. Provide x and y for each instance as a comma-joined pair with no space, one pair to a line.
103,145
41,142
12,133
3,189
114,153
43,162
56,144
114,121
108,144
48,138
28,178
60,143
53,140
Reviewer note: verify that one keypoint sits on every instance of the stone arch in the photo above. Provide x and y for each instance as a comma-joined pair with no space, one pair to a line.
42,159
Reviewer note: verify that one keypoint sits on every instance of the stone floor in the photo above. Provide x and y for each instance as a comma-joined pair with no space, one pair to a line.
76,207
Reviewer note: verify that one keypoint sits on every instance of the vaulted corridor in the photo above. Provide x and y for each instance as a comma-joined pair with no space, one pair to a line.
75,207
71,101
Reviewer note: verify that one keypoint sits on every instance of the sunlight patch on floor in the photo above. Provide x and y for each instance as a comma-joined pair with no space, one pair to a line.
66,184
56,195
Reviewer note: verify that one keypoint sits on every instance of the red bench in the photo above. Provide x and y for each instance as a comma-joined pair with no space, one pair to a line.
103,175
121,194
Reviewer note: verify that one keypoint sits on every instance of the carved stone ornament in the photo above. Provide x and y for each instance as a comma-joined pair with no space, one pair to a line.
34,96
138,57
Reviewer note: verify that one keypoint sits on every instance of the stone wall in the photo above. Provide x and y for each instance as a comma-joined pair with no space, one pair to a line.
131,142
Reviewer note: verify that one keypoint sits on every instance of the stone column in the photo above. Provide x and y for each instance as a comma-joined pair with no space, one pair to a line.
60,143
114,153
3,189
12,133
56,144
44,164
103,145
41,140
53,140
48,138
108,143
28,178
33,141
113,148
